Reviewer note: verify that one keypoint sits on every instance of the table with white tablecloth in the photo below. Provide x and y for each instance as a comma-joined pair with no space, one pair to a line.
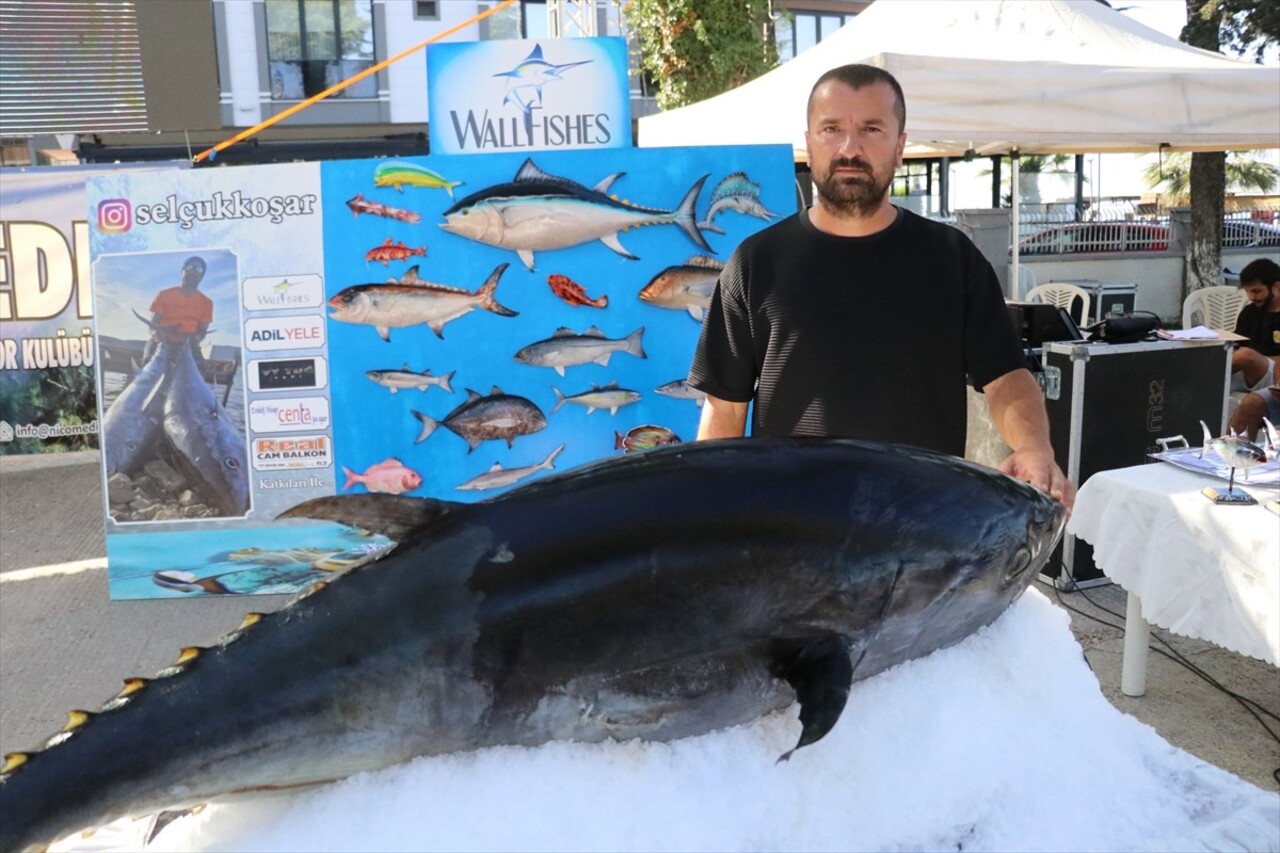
1191,566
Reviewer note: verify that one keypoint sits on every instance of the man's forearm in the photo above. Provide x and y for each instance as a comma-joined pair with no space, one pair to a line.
722,419
1018,413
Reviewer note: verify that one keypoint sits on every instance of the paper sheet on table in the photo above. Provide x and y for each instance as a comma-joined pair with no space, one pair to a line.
1266,474
1198,333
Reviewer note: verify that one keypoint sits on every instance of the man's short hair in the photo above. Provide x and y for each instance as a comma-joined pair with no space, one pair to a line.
856,76
1262,271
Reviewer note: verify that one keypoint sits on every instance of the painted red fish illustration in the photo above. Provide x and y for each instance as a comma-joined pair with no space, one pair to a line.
360,205
572,292
390,251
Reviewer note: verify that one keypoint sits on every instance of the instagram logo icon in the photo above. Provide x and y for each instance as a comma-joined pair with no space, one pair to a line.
115,215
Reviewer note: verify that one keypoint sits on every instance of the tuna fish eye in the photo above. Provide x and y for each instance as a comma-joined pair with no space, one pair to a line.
231,462
1018,564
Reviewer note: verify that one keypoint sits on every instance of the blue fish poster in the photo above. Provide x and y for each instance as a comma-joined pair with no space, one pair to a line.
450,327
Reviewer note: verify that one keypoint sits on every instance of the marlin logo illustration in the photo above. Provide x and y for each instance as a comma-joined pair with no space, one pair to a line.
525,81
284,285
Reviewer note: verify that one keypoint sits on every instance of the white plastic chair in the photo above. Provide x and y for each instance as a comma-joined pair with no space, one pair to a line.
1215,307
1063,296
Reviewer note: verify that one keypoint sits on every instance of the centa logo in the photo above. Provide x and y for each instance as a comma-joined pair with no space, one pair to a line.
115,215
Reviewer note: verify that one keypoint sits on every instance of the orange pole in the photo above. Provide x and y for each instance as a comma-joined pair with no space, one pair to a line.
338,87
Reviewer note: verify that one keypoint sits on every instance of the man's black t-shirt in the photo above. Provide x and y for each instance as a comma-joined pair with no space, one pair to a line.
1262,328
856,337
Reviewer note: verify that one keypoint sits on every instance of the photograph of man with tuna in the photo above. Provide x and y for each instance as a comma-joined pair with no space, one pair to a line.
173,436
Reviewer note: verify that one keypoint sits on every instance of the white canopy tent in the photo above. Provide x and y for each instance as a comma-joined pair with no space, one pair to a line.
986,77
983,77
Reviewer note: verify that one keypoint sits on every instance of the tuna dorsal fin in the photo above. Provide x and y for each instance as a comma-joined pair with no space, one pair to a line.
820,672
394,516
411,276
593,332
495,391
497,466
704,261
563,332
529,171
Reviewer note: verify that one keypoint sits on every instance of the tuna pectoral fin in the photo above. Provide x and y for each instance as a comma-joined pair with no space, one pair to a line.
820,673
394,516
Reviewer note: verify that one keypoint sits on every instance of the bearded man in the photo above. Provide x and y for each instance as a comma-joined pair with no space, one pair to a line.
858,319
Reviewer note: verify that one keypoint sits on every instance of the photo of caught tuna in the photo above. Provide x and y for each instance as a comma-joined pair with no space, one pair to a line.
497,417
537,212
283,571
573,293
498,477
390,251
410,300
400,173
739,193
644,437
679,389
609,397
388,477
394,380
684,287
566,348
359,204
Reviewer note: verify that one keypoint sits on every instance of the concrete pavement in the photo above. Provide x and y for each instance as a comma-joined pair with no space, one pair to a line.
64,645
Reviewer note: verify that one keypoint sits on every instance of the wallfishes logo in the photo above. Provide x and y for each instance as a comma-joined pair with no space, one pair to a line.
525,81
283,286
115,215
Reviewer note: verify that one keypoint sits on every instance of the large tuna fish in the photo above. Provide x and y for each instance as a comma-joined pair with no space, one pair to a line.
413,300
536,212
133,422
658,595
209,446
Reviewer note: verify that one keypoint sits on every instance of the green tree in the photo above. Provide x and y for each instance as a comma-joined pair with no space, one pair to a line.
1213,24
695,49
1243,173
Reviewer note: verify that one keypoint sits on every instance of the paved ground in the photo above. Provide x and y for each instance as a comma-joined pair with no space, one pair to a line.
64,645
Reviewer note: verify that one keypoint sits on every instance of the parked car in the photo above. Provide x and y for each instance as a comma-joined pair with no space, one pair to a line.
1076,237
1239,233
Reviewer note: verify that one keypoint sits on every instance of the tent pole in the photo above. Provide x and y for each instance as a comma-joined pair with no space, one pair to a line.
1014,284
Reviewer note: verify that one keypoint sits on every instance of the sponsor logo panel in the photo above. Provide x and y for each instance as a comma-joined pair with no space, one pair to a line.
292,453
270,293
271,333
284,374
295,414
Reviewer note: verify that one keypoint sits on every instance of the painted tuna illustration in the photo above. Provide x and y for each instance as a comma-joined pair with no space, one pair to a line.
411,300
656,595
498,477
565,348
208,444
609,397
394,380
496,417
398,173
537,212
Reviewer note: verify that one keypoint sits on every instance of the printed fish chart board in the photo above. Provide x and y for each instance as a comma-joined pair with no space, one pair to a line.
372,349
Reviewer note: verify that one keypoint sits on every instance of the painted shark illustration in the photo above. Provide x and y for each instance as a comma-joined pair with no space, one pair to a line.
525,81
498,477
537,212
655,595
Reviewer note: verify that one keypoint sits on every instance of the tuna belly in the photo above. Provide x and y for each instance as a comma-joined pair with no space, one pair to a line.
399,312
560,225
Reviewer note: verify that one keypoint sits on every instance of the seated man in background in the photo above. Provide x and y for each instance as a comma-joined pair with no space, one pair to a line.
1253,364
1246,420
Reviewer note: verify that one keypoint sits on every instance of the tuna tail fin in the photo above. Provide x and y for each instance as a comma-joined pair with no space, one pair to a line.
820,673
487,301
428,425
686,215
444,382
352,477
395,516
559,399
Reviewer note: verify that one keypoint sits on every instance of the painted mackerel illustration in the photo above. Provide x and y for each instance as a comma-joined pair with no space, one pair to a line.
565,348
537,212
655,595
411,300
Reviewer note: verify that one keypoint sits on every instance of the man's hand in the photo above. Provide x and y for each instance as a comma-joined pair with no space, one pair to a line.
1038,468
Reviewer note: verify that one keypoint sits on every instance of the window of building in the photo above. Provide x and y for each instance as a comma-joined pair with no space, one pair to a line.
315,44
524,20
798,31
426,10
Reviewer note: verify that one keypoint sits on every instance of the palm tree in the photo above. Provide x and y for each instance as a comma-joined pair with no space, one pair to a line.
1244,173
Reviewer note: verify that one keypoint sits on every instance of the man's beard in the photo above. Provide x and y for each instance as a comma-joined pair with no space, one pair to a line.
859,195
